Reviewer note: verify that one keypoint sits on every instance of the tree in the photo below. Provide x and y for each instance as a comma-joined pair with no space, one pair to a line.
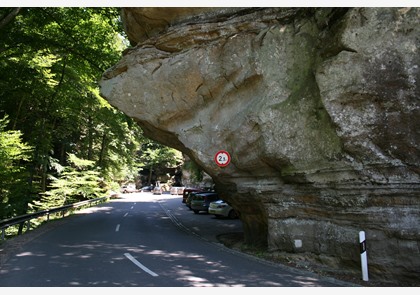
76,182
14,155
9,16
154,156
50,62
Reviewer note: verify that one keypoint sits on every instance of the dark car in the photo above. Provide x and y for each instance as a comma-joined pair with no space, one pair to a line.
201,201
189,198
191,194
148,188
188,191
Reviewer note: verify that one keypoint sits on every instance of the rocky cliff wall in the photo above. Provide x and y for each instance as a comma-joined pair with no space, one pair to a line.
318,108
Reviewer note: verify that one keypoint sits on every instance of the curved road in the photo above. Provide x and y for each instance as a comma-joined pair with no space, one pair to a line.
143,240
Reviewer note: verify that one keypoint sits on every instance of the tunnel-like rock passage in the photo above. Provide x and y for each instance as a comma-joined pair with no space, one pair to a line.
318,108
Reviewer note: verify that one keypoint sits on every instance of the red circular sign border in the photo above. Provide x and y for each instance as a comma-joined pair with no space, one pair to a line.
222,152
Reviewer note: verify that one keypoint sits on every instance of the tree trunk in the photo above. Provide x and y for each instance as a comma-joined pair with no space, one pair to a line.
103,149
90,139
4,21
150,175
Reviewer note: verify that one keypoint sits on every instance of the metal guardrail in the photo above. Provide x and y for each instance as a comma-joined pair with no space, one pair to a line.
28,217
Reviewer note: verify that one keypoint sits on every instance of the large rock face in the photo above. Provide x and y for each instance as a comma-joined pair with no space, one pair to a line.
318,108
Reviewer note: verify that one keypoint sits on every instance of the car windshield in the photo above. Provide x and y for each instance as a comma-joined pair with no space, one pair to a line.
212,198
197,197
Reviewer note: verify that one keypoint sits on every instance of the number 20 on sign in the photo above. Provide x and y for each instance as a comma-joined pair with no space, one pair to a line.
222,158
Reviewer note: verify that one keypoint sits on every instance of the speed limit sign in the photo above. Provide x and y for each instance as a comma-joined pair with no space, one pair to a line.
222,158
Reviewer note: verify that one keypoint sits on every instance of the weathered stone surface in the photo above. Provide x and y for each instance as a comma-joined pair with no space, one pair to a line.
319,109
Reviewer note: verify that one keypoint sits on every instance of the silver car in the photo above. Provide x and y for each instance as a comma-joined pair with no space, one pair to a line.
157,190
130,188
220,208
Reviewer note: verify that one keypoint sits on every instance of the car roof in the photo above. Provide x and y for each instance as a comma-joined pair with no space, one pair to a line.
204,194
193,189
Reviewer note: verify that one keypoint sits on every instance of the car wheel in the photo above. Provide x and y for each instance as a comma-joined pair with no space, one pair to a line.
232,214
196,211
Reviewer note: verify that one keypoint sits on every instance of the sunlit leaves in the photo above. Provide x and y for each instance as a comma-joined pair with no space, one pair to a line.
12,149
153,154
77,182
14,153
50,62
42,63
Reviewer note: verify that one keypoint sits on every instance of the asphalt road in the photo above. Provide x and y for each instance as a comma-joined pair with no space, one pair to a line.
144,240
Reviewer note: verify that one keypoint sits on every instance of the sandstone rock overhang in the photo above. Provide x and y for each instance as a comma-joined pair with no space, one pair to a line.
318,108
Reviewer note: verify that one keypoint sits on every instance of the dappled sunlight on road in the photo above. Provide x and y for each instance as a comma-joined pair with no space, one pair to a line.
143,197
93,210
179,265
184,266
128,262
129,198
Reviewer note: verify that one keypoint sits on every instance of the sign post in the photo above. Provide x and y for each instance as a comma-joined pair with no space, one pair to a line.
363,255
222,158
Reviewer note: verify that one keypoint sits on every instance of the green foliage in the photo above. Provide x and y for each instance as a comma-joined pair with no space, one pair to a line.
77,182
155,156
50,62
153,153
14,154
197,173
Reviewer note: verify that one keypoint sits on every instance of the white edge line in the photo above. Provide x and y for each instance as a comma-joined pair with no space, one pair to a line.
117,228
128,255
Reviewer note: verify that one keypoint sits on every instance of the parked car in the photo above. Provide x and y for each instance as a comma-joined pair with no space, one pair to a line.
188,191
201,201
148,188
114,195
191,194
189,198
157,190
220,208
129,188
177,190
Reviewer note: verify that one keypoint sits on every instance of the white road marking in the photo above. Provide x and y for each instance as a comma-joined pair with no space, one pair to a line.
117,228
125,214
128,255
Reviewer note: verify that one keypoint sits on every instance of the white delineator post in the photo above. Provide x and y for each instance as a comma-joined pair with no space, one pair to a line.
363,255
